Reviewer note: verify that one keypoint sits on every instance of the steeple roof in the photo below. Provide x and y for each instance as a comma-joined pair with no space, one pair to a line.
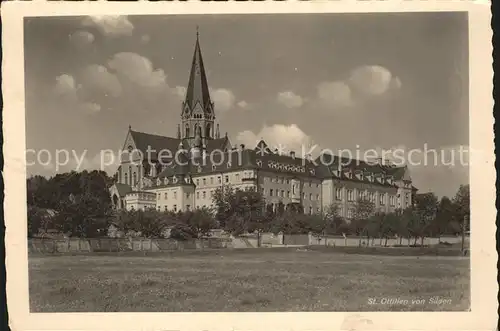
197,90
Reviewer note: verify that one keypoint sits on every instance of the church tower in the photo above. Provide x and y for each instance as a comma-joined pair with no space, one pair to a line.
197,118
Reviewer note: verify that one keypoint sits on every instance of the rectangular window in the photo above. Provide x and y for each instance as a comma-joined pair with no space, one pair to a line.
197,195
304,195
159,196
310,210
211,180
227,179
204,181
187,195
219,180
317,197
287,194
188,207
175,208
382,199
165,195
204,195
282,193
175,195
237,177
165,208
271,192
263,191
197,182
338,194
310,196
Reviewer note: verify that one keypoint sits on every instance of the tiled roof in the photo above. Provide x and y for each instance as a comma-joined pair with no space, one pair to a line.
155,142
123,189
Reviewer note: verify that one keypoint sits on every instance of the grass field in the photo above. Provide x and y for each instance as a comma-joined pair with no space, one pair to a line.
247,280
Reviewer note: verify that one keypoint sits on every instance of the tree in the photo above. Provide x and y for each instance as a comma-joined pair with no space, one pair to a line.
332,219
425,209
83,215
362,212
223,200
201,221
461,202
38,219
445,215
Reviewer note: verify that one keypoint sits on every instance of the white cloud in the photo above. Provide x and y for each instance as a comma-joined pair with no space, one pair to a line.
243,104
373,80
65,85
290,99
67,90
288,137
224,99
179,91
335,94
81,38
90,107
98,78
137,69
110,25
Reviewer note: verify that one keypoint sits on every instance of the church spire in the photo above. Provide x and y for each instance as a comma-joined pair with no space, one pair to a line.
197,90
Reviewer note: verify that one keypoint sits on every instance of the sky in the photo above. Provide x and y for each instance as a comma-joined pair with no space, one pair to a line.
380,81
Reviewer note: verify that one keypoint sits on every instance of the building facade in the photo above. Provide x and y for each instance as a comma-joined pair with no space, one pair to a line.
182,173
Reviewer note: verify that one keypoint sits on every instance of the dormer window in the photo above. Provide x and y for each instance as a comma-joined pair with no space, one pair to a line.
174,179
165,181
158,181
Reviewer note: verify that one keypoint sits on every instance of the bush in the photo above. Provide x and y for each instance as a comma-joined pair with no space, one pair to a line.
182,232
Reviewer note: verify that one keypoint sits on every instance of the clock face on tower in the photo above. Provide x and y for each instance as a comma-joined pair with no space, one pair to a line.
130,148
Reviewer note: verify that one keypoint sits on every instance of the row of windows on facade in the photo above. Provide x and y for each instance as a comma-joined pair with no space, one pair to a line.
212,192
188,195
174,208
370,196
281,194
283,180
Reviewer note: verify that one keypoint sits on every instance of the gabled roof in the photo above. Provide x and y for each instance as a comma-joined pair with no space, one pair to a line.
155,142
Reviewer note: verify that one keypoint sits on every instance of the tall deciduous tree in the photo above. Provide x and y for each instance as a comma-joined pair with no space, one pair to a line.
462,205
425,209
362,212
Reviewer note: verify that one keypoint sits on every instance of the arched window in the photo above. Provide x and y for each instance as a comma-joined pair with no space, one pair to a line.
126,178
196,129
187,130
134,179
208,131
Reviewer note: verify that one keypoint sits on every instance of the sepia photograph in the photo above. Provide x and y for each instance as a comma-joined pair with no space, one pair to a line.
266,162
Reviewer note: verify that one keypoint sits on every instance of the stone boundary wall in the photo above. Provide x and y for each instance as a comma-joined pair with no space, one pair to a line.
77,245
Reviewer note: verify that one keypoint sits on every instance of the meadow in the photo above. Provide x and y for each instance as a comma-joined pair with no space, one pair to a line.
278,279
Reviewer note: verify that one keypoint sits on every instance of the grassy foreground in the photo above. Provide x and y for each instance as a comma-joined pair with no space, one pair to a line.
248,280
